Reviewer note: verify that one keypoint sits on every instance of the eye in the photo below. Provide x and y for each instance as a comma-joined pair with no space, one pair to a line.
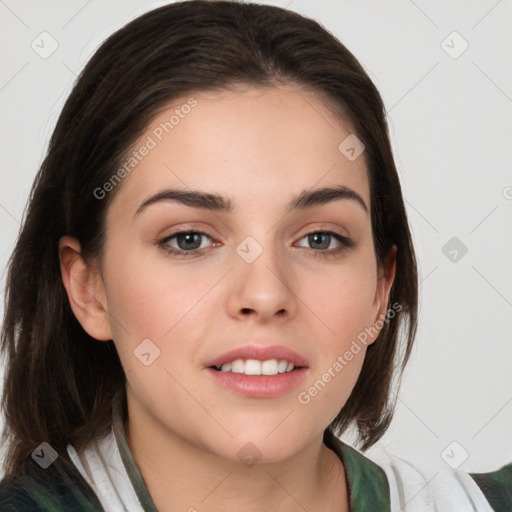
323,239
188,242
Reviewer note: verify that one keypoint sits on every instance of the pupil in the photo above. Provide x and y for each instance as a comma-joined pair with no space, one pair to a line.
189,238
315,235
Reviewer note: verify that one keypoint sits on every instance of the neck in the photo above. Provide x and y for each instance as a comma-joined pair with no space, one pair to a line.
195,479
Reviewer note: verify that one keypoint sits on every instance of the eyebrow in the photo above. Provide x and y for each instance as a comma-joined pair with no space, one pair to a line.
215,202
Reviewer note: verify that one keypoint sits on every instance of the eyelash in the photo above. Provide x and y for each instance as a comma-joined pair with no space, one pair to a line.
346,243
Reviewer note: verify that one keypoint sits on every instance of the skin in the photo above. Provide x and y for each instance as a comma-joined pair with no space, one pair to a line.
261,148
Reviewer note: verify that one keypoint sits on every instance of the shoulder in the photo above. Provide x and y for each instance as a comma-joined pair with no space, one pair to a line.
424,488
395,484
497,487
53,489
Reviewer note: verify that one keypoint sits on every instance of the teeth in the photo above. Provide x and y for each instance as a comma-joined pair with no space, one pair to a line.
255,367
282,366
237,366
269,367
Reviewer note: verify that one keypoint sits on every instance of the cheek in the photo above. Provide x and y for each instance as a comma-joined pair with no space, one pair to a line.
343,300
154,310
329,388
344,304
149,296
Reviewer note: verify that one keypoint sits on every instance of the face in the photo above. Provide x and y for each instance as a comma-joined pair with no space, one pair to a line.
292,284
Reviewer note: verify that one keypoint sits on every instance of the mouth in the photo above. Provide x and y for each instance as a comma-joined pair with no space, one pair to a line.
257,367
259,371
258,359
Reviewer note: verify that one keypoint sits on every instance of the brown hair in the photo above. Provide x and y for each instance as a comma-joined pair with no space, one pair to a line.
60,383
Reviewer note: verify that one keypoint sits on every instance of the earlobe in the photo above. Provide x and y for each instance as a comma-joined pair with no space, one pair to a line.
85,290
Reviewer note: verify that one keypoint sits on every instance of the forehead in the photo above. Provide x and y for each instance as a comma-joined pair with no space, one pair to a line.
259,146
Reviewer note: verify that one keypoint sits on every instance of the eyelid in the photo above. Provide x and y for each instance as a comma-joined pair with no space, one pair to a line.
345,241
323,226
310,228
189,228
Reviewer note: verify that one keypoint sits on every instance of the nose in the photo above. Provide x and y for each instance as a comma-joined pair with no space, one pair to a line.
262,288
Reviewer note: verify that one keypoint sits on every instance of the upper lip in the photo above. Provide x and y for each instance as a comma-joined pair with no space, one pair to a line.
260,353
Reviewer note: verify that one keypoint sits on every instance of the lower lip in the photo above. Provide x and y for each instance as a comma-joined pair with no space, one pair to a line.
259,386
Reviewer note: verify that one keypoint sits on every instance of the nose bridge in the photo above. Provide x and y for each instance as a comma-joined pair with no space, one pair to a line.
263,275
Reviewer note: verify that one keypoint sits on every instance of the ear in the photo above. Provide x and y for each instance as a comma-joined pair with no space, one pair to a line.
85,289
385,279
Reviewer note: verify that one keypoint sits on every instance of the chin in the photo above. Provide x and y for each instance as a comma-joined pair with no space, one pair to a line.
259,447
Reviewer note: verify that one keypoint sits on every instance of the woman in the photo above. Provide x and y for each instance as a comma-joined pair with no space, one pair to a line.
176,338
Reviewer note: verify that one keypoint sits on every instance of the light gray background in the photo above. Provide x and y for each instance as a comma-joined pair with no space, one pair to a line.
451,126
